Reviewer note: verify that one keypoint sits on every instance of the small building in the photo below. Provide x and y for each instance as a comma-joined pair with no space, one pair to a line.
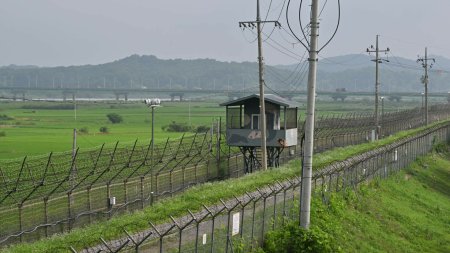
243,127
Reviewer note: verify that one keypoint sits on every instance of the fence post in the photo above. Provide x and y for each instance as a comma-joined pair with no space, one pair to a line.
183,174
142,192
195,173
171,182
46,215
69,210
125,194
228,230
207,170
108,200
263,216
89,203
20,206
253,223
218,140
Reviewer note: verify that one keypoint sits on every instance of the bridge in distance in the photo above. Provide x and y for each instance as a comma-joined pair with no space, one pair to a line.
21,92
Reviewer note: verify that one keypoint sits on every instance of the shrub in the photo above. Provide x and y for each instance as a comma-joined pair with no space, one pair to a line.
293,238
5,117
84,130
2,134
177,127
202,129
104,130
114,118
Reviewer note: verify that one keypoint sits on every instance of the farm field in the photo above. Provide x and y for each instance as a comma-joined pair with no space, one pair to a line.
36,127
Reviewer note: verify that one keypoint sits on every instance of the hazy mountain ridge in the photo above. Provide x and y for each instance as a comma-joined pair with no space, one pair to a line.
138,71
355,72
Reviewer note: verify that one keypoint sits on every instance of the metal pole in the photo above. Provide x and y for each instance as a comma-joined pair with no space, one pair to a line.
262,118
73,169
426,87
152,156
309,129
153,133
422,94
382,114
377,84
377,61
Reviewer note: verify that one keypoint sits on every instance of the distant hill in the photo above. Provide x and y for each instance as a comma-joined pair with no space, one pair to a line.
355,72
139,72
12,66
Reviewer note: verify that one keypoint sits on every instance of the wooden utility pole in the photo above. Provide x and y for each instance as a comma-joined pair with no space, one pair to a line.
262,114
425,65
377,61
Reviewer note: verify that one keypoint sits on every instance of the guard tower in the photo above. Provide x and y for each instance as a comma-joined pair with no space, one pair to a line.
243,128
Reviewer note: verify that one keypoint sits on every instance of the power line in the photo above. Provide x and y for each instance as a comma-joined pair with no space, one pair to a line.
344,63
289,54
296,81
323,7
278,19
337,26
274,41
290,28
296,67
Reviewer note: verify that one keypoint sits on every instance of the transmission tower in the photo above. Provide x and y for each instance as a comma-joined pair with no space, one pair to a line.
262,118
377,61
426,66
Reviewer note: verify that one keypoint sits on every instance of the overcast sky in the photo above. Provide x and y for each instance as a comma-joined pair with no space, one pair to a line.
63,32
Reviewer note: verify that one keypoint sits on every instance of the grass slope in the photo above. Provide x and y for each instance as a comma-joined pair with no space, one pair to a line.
409,212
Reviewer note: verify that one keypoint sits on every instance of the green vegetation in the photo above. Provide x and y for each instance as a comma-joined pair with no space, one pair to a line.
41,130
51,124
192,199
294,239
5,117
408,212
83,130
177,127
114,118
104,130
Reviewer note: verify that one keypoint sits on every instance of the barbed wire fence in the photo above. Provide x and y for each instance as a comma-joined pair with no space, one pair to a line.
41,196
240,224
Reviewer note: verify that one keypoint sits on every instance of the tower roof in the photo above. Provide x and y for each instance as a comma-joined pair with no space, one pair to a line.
267,98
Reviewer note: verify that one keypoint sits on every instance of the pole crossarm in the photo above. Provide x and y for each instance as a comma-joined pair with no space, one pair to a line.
252,24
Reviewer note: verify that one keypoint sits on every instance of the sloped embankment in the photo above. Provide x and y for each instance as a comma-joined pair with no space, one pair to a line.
409,212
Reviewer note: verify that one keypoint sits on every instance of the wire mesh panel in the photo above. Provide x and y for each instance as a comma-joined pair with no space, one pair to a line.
240,224
55,193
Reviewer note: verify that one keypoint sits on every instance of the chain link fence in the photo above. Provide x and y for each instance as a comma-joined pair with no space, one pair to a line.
41,196
239,224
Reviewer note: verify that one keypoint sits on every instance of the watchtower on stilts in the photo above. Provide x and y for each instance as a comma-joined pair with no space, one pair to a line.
243,128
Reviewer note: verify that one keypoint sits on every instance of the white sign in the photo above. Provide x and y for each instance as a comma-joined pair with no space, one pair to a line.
204,239
236,220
